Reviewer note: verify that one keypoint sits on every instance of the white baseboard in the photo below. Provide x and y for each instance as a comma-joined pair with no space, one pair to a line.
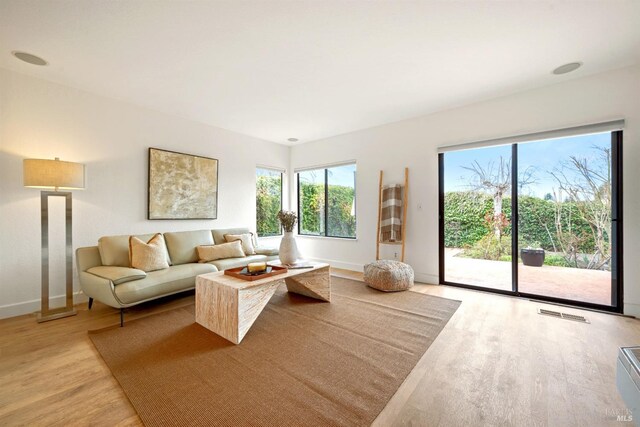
419,277
632,309
429,279
28,307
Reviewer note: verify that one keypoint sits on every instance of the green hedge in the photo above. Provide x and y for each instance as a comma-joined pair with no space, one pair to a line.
341,222
464,214
312,204
268,204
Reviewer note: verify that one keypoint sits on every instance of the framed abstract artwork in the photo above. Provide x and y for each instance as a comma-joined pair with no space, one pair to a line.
182,186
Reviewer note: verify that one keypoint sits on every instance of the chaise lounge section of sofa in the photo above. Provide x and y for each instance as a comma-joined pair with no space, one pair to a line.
105,274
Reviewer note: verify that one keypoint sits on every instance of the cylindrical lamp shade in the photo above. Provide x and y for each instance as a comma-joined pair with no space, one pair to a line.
43,173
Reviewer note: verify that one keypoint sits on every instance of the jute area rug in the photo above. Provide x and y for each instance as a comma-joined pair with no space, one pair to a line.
303,362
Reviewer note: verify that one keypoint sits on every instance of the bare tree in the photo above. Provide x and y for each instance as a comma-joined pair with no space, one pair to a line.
567,239
587,183
495,178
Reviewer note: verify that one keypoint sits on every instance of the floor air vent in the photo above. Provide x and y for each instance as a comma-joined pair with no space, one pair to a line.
562,315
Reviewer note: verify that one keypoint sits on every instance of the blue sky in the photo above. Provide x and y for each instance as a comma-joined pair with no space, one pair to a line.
267,172
543,156
342,175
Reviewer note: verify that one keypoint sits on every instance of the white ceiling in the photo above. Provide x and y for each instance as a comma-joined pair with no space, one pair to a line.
314,69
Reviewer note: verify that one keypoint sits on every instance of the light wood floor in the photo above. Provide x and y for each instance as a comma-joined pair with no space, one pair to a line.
497,362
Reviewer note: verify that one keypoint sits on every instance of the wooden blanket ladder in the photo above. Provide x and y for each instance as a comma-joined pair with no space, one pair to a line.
404,216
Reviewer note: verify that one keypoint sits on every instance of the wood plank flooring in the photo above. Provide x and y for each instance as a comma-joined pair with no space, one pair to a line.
497,362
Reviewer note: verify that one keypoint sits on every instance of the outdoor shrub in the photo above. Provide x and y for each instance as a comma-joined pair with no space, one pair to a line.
489,248
555,260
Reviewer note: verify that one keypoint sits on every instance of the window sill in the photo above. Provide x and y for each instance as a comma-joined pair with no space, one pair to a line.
343,239
277,236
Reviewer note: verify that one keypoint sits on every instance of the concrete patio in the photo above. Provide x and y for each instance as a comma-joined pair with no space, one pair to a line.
576,284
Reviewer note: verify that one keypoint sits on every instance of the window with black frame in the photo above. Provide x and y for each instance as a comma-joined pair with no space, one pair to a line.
536,215
268,201
327,201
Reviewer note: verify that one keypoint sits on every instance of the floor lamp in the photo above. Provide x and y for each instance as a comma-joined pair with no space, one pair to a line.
56,175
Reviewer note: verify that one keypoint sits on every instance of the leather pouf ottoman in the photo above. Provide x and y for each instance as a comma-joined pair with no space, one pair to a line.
388,276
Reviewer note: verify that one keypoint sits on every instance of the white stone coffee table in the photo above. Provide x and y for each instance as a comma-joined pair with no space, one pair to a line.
228,306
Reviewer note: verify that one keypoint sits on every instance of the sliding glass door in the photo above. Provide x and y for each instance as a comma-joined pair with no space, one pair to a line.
477,214
564,218
538,218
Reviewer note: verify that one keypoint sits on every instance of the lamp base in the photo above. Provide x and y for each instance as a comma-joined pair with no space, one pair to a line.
45,314
57,313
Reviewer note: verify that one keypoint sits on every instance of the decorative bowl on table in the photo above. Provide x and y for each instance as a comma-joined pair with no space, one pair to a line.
245,274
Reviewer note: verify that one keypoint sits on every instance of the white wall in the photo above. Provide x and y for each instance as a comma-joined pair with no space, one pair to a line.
39,119
414,143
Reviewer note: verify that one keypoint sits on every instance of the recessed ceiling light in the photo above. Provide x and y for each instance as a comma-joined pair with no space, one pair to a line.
567,68
292,139
27,57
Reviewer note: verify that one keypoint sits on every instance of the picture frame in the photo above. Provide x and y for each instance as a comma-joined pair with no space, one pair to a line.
181,186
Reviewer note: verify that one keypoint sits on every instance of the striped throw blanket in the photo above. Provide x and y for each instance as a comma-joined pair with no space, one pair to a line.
391,215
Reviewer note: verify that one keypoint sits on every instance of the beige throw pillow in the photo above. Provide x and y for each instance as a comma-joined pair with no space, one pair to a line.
208,253
148,256
246,239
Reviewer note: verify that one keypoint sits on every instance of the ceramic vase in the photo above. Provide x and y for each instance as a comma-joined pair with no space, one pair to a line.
288,248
